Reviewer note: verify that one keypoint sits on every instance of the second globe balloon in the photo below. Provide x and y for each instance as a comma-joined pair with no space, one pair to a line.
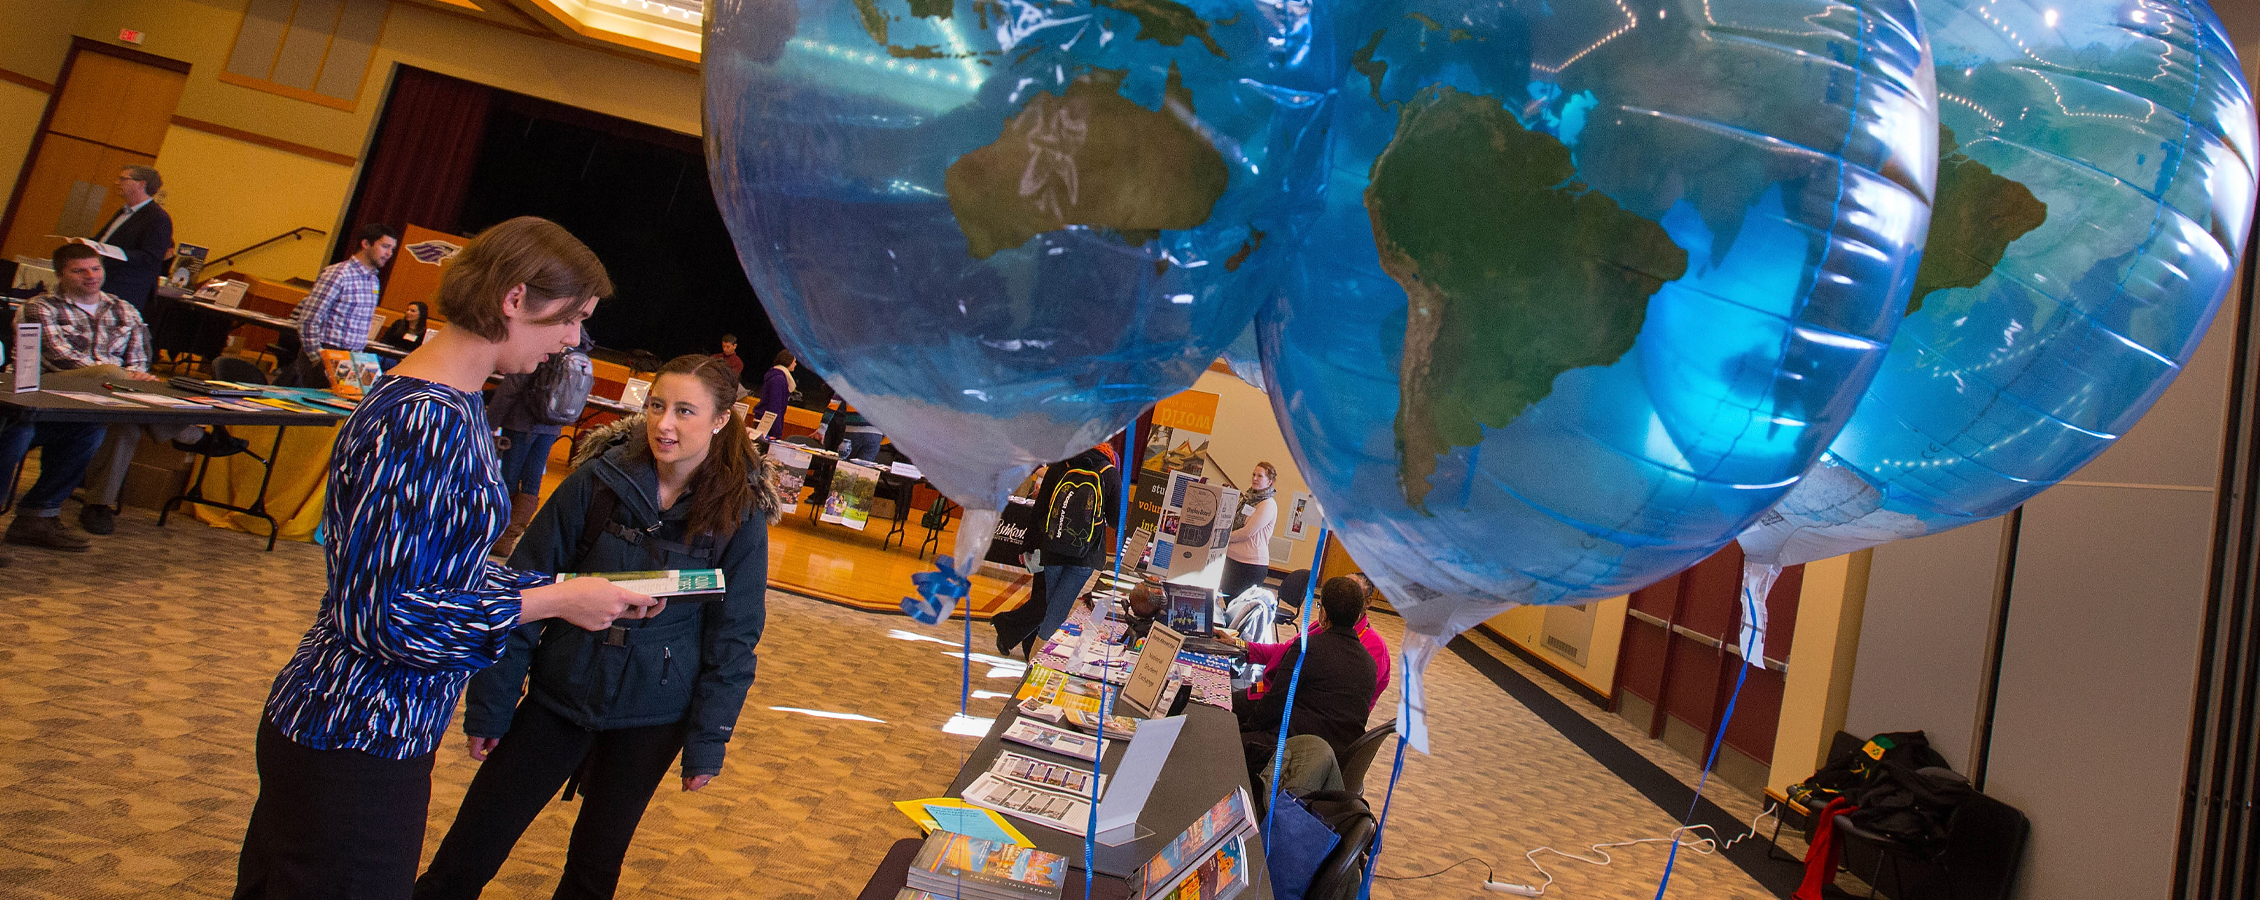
1594,285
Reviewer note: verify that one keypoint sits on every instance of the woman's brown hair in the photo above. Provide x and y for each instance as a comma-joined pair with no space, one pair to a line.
538,253
722,493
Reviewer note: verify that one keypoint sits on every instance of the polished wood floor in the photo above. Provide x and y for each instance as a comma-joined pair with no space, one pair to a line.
835,563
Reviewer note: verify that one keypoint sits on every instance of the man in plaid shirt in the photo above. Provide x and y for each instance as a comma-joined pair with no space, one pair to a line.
339,311
80,326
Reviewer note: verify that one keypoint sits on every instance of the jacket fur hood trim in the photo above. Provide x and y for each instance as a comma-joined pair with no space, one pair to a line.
629,432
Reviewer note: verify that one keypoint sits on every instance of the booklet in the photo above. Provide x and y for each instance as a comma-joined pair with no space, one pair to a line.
1056,740
1062,810
1055,776
958,865
96,399
674,584
162,400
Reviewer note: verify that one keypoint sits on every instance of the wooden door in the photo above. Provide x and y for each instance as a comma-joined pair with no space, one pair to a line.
1678,668
110,110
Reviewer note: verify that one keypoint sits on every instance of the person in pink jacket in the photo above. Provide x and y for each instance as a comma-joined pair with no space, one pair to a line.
1268,655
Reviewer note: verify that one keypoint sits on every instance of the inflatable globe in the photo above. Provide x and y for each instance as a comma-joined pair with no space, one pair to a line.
1003,229
2095,187
1593,284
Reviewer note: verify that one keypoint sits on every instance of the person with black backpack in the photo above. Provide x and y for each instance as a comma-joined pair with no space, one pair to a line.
1076,511
605,712
529,412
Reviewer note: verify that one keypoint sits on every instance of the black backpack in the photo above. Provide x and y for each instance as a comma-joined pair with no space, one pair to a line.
1076,511
560,387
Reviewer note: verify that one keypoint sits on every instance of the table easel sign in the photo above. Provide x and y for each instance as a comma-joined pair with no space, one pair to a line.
27,358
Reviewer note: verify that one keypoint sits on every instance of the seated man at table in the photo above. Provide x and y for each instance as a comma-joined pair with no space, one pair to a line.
84,328
1336,691
1268,654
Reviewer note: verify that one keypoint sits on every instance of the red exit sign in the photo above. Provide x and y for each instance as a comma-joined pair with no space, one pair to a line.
130,36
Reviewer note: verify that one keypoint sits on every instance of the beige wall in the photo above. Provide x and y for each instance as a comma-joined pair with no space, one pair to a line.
1525,625
1817,688
226,193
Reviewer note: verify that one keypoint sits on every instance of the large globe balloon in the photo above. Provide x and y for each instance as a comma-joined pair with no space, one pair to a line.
1003,228
1594,283
2094,192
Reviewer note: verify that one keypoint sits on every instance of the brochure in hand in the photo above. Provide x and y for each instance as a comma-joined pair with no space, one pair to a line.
954,865
674,584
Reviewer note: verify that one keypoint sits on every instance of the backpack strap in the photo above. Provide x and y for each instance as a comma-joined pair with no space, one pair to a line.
597,519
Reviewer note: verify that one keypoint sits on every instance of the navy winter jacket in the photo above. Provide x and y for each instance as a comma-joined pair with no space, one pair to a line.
693,663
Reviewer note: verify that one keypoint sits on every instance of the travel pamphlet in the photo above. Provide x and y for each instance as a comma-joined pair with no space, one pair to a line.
1222,875
1051,775
1056,740
1055,809
956,865
1232,817
953,814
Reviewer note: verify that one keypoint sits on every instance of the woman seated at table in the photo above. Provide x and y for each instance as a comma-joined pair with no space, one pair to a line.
605,712
1336,691
407,332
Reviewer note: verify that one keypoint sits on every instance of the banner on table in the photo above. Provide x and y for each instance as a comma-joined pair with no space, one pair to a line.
853,485
792,475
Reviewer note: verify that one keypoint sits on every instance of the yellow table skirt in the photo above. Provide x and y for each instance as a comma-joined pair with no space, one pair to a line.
294,497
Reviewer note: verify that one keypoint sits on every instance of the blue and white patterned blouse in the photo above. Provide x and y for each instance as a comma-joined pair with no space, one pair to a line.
413,607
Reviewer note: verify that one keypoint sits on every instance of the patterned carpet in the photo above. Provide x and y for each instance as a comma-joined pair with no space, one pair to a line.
131,679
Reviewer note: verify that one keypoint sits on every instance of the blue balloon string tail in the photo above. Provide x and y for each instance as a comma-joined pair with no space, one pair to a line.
1373,858
1106,696
1740,678
1294,680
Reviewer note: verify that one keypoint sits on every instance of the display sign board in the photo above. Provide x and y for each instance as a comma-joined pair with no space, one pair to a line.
1196,523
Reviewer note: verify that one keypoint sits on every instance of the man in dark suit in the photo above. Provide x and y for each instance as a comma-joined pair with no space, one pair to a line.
144,231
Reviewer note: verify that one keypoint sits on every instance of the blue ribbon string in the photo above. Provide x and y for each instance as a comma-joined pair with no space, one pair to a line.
1106,697
1712,760
1302,637
1373,858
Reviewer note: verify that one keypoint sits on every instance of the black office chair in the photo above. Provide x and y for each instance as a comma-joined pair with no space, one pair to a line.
1363,751
238,370
1343,872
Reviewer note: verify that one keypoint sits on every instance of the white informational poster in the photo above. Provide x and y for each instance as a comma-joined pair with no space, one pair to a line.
1196,524
27,357
1302,516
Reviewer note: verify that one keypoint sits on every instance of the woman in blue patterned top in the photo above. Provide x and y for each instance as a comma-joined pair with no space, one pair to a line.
413,608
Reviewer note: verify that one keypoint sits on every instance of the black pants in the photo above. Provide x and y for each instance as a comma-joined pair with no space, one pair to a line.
542,749
333,823
1240,576
1016,627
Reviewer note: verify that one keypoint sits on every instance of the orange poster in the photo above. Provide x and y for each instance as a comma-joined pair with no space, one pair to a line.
1188,411
416,268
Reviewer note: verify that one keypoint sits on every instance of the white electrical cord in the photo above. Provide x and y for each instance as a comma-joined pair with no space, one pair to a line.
1703,845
